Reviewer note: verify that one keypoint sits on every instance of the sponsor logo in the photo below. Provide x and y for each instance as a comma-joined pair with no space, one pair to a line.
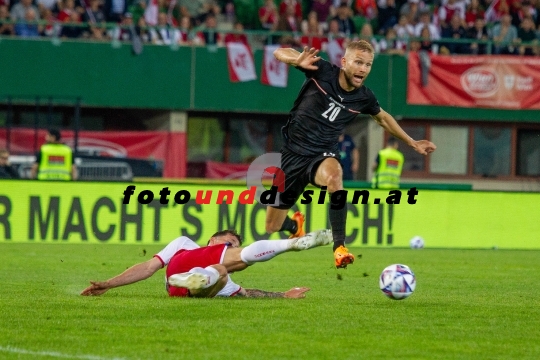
480,82
57,160
265,253
392,163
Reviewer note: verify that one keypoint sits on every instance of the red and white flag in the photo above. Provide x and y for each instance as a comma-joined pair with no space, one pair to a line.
493,12
335,51
240,62
274,72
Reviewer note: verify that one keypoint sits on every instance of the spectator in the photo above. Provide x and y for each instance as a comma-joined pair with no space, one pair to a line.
52,28
93,13
114,10
496,10
239,36
391,44
73,30
185,30
504,35
425,21
95,18
312,32
522,10
194,9
5,29
210,34
143,31
323,8
478,32
46,4
18,11
198,10
527,35
411,9
425,41
344,19
123,31
388,16
268,15
68,7
473,12
366,8
404,29
285,11
28,27
6,170
455,31
164,34
366,33
288,21
349,156
448,10
230,12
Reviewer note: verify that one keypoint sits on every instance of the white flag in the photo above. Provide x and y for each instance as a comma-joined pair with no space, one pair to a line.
335,51
274,72
240,62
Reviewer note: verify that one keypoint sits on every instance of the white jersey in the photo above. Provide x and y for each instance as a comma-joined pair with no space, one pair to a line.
185,243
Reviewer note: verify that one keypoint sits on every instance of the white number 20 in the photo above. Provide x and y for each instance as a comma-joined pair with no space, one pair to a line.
333,110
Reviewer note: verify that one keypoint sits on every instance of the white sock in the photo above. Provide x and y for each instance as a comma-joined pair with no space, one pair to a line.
263,250
209,271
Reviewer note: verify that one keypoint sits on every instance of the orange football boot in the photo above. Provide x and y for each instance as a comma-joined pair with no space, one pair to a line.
343,257
299,218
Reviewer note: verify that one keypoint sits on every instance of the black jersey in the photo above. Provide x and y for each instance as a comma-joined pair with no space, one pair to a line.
323,109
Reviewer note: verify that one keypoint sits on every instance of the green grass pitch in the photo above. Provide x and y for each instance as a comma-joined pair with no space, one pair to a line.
468,304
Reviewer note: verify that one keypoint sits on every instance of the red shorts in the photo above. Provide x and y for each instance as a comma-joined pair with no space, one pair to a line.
185,260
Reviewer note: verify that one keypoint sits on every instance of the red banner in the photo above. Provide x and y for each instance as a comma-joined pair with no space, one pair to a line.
503,82
169,147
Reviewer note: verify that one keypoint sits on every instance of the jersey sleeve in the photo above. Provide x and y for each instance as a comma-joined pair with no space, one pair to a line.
180,243
373,107
323,68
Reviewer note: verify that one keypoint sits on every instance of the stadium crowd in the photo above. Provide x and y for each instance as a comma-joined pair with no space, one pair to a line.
392,26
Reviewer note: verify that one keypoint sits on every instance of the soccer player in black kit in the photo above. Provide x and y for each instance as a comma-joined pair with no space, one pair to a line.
330,98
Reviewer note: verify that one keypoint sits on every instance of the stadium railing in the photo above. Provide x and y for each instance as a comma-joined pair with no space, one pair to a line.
256,38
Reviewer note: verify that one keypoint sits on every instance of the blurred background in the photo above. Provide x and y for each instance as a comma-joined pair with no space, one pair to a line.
159,89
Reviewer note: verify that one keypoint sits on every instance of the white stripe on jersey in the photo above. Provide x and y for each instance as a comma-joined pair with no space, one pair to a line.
180,243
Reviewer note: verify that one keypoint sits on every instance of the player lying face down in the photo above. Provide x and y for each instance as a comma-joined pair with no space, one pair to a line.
194,271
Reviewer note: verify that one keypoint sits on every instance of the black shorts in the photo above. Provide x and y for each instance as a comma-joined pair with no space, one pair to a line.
299,172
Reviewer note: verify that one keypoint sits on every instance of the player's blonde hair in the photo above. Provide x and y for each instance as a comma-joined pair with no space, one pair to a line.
361,45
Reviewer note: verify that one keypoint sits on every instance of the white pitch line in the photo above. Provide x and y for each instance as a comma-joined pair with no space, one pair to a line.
14,350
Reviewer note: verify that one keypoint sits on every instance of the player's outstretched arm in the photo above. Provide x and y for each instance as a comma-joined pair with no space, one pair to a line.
294,293
304,59
390,124
135,273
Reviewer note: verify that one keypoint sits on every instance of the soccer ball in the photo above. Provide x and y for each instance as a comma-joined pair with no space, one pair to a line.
417,242
397,281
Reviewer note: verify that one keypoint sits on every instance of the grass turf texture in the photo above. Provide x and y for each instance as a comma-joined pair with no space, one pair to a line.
468,304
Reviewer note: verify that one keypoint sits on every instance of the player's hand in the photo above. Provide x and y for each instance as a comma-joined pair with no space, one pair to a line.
97,288
307,58
296,293
424,147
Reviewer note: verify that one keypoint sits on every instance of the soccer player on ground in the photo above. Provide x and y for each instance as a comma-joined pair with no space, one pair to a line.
330,98
194,271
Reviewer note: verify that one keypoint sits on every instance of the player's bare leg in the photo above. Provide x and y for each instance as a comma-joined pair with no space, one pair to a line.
330,174
277,220
201,282
238,259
